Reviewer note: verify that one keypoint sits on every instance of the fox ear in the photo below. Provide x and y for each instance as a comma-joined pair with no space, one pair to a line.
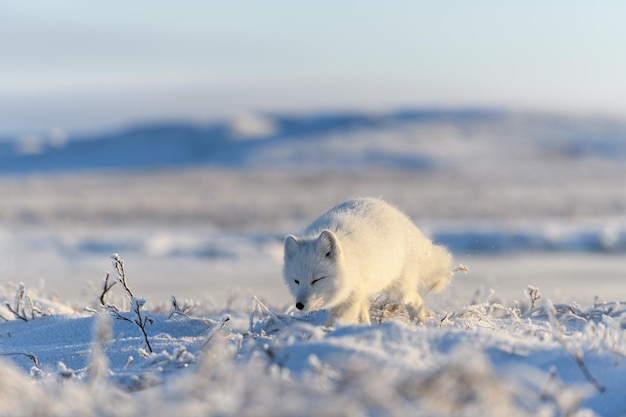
291,246
328,245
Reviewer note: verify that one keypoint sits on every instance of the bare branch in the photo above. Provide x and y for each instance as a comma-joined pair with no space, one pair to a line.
106,288
176,309
534,295
118,263
577,356
16,313
142,320
215,330
28,355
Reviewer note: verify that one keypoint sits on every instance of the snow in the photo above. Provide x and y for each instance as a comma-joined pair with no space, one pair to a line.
200,213
482,359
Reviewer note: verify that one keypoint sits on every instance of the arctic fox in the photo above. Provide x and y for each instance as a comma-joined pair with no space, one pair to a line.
359,249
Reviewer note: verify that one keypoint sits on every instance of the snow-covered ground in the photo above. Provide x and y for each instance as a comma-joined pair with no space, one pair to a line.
486,358
199,212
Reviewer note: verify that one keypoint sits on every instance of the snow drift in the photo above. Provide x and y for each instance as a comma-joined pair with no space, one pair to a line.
483,359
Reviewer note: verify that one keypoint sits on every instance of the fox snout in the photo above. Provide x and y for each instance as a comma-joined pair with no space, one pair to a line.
299,305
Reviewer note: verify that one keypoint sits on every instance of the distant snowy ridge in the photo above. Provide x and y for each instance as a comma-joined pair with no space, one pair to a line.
403,139
240,247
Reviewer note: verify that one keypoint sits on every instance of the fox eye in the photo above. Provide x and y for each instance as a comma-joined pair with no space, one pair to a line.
315,280
296,281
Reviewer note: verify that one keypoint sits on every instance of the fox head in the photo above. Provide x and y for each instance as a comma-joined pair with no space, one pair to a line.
313,271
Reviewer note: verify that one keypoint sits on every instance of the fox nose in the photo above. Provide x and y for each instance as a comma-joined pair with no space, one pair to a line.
299,306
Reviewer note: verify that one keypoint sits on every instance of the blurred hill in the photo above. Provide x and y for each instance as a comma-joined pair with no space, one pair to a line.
411,139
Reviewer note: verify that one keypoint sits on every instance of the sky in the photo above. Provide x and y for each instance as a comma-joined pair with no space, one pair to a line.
85,66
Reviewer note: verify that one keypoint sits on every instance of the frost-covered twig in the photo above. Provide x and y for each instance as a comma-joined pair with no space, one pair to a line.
612,309
28,355
16,313
111,308
141,319
608,336
215,330
23,305
105,288
575,354
565,312
119,266
481,314
257,306
176,309
18,302
116,313
534,295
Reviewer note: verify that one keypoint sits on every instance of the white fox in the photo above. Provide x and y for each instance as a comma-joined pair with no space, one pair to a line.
359,249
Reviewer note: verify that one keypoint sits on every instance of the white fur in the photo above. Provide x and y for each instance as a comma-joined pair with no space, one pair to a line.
359,249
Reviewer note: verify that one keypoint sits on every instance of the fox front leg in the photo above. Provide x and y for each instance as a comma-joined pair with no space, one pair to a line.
346,314
364,314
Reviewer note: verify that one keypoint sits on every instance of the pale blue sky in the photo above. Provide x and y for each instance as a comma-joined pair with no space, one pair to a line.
88,65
